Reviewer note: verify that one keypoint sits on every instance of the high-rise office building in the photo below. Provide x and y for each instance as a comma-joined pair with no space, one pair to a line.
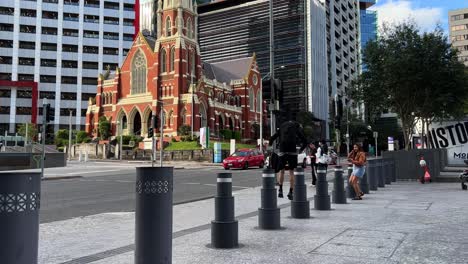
62,45
368,21
458,23
239,28
343,48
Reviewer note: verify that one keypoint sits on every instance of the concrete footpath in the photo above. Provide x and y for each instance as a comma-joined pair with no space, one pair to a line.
406,222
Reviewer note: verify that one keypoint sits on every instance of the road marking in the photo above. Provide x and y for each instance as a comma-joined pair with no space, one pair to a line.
191,183
88,172
209,184
241,187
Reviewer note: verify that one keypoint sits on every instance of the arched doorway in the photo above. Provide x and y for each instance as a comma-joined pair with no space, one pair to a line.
137,124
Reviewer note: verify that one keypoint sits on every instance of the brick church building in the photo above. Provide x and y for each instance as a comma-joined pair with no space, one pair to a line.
167,74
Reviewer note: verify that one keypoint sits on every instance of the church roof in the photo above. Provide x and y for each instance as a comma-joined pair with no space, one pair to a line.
150,40
225,71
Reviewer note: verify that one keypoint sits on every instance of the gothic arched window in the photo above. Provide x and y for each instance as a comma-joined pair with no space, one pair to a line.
259,103
168,26
189,28
172,59
251,100
193,62
162,60
183,115
138,74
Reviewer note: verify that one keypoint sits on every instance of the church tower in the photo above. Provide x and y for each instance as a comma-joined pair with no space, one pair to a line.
178,60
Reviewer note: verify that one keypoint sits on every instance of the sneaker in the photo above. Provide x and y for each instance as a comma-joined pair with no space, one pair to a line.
357,198
314,182
280,194
290,196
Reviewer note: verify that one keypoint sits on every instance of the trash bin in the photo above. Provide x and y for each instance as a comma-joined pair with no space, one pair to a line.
19,217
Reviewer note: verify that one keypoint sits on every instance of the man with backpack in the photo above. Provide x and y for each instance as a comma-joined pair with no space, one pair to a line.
289,135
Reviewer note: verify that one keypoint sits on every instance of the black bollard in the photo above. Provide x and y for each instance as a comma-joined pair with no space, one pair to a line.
381,171
153,215
224,228
339,193
19,217
269,213
372,175
364,183
350,193
322,198
388,172
393,164
300,206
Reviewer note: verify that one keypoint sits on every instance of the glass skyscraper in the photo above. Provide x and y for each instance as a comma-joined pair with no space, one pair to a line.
368,23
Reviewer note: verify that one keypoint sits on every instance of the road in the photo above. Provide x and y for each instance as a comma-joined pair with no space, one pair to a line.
113,190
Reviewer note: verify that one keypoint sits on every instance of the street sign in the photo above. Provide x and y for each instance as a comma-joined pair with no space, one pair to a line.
376,134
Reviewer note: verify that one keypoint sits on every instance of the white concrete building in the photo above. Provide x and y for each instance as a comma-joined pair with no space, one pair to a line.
63,45
458,28
147,19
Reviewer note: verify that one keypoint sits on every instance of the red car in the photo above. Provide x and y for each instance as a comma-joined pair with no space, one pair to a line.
244,159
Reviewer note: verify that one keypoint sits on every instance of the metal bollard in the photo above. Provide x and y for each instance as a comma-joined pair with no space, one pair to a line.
269,213
300,206
86,156
321,198
364,183
339,193
394,175
388,172
19,217
153,215
224,228
372,175
350,193
381,170
79,156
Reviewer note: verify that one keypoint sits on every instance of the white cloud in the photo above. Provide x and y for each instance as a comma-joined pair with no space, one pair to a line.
401,10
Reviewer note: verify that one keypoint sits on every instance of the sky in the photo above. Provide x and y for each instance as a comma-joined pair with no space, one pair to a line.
426,13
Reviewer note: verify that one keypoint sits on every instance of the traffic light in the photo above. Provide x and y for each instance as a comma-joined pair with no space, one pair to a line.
47,111
278,91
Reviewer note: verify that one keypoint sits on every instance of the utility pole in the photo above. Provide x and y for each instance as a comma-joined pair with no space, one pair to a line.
70,135
272,73
26,139
44,127
261,116
153,127
191,115
161,135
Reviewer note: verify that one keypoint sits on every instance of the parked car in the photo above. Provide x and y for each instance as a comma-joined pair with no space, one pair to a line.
244,159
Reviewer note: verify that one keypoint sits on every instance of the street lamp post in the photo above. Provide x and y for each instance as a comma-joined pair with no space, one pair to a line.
191,113
271,105
44,127
272,70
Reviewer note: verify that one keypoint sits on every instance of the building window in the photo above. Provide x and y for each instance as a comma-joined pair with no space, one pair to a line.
24,94
139,74
9,11
27,29
125,52
4,110
90,49
92,3
70,17
49,15
128,7
128,22
251,100
26,61
90,65
49,46
23,110
26,77
86,96
193,62
90,34
49,31
68,96
111,5
168,26
5,93
69,80
5,43
89,81
111,51
111,35
47,79
162,60
26,12
48,63
172,59
5,76
5,60
128,37
106,65
189,28
183,116
70,32
110,20
259,103
69,64
26,45
69,48
6,27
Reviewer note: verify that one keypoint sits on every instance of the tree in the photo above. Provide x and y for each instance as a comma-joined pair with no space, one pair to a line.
185,130
82,137
411,74
32,131
311,125
104,127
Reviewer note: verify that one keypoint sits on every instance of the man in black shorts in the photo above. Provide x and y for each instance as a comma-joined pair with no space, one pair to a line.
289,134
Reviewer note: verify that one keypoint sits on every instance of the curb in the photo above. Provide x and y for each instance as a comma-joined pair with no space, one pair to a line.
60,178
